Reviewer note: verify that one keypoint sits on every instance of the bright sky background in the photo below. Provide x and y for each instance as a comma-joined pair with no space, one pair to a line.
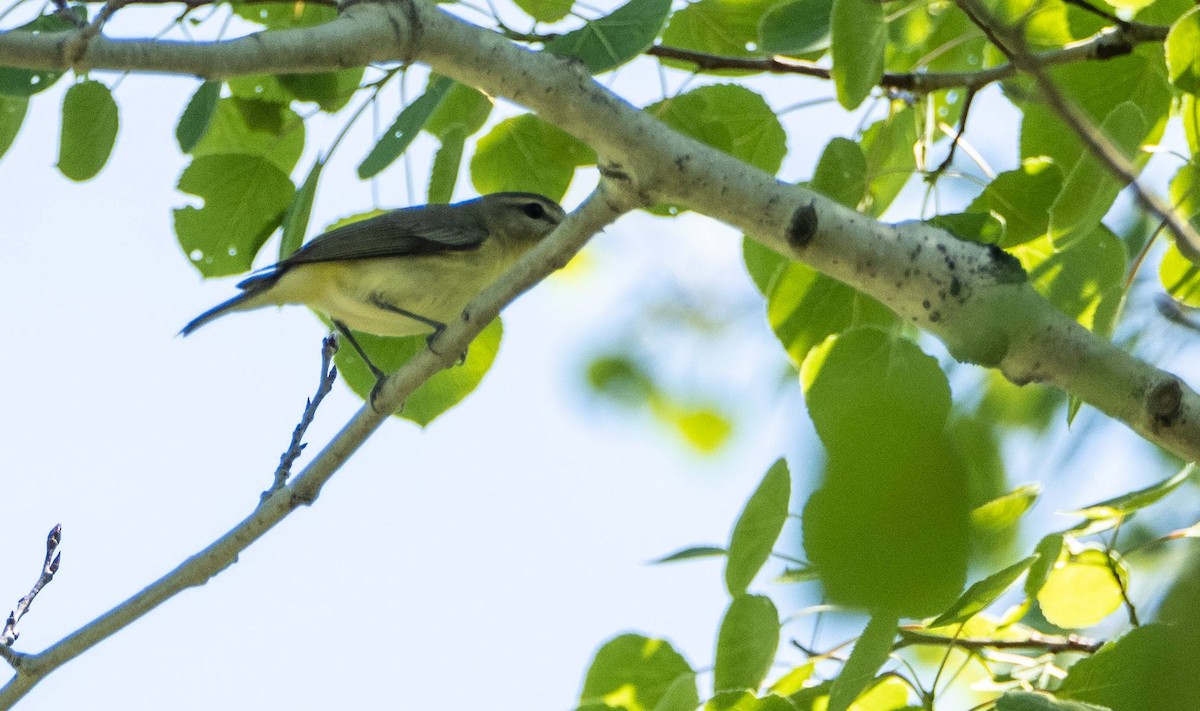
484,558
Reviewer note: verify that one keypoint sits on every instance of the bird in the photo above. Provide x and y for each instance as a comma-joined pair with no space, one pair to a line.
405,272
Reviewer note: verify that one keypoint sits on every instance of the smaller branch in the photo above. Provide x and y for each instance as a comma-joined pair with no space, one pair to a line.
1088,7
962,128
329,347
49,568
911,636
75,48
1012,44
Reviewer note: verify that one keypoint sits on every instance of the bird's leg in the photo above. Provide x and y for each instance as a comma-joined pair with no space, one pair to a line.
380,376
437,326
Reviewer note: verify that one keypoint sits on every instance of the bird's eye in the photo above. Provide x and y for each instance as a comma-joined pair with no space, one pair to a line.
534,210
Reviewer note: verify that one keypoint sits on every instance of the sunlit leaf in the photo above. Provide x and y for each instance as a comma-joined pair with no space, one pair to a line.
637,671
1082,590
870,652
758,527
1183,52
1006,510
1152,668
983,593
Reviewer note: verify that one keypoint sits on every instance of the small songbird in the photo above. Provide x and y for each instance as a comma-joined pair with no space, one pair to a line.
402,273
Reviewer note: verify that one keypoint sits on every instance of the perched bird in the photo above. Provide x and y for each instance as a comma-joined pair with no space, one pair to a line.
402,273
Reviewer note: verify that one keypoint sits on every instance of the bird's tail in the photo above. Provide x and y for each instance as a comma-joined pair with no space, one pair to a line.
251,288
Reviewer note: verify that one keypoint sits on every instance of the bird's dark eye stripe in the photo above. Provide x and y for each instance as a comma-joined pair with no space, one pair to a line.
534,210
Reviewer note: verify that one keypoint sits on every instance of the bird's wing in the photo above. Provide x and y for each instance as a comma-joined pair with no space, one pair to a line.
429,230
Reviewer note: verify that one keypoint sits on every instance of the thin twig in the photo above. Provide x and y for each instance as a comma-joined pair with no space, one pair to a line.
329,347
910,636
962,128
75,47
1013,46
49,568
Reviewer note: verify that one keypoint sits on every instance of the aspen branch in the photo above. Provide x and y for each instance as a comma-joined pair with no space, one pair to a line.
973,297
556,250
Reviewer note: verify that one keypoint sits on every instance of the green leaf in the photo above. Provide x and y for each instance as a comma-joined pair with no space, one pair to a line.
746,701
691,553
1126,504
463,110
1082,278
609,42
859,37
1180,277
1152,668
888,145
1004,511
194,121
27,82
526,154
1183,52
1021,199
746,643
636,672
255,128
680,695
12,115
704,428
89,130
758,528
295,222
1030,701
245,198
404,129
1189,113
1048,551
983,593
621,379
1090,188
723,27
866,389
730,118
438,394
446,163
842,172
795,27
869,654
331,91
1081,591
804,307
546,10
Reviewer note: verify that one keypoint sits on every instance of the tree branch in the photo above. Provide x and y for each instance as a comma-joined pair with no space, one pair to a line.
553,252
910,636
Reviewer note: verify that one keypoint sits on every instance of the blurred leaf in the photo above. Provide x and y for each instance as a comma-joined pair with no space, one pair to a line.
868,656
194,121
638,672
621,379
794,680
1180,277
859,36
758,527
1128,503
446,163
1030,701
691,553
795,27
703,428
841,172
1004,511
607,43
1082,278
746,643
680,695
1183,52
12,115
983,593
1152,668
404,129
746,701
1081,591
526,154
27,82
254,128
438,394
463,110
797,575
1021,200
295,222
89,130
245,198
546,10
